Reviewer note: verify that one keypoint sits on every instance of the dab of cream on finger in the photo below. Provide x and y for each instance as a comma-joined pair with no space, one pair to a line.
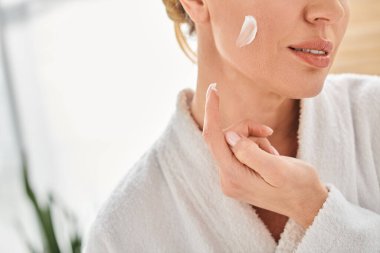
248,32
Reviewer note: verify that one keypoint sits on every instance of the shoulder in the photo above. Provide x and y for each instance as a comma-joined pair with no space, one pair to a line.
354,78
357,91
354,85
125,216
357,97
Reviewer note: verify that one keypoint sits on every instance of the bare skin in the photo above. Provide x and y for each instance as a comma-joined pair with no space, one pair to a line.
251,173
275,222
262,81
285,145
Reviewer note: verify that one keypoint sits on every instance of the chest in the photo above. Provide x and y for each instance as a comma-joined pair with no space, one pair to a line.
274,222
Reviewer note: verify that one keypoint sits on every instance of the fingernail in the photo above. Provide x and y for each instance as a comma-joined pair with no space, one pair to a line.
212,86
268,130
274,151
232,138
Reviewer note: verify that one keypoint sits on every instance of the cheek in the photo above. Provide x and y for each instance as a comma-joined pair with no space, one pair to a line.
227,24
250,49
237,39
226,28
248,32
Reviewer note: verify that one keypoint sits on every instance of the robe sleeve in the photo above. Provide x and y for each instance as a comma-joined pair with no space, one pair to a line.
96,241
341,226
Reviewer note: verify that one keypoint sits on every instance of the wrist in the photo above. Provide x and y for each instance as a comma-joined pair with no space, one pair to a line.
308,210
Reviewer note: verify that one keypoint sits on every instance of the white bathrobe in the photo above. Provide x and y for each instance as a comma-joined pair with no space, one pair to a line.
171,200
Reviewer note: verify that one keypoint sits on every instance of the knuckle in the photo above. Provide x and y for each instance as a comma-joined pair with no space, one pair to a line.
241,153
230,186
255,127
266,141
262,131
262,143
314,174
254,139
242,149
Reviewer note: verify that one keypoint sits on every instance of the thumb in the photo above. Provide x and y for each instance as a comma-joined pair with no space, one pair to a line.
249,153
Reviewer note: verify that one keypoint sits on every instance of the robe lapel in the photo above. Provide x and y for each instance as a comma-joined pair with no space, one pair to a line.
225,224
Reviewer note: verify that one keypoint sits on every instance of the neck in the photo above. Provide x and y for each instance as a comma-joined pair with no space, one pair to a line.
242,98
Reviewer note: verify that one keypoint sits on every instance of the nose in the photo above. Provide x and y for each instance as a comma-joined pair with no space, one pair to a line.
325,11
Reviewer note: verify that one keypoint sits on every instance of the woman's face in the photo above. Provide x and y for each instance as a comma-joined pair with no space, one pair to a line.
281,23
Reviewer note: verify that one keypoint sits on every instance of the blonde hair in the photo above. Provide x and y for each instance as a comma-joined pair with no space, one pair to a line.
178,15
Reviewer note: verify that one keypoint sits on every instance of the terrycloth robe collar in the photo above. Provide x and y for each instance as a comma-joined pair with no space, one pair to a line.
171,201
194,181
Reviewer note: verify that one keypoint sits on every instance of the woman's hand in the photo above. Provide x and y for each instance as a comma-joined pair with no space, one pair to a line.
255,132
248,173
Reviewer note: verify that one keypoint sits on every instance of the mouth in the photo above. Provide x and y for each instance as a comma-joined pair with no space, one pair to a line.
310,51
316,52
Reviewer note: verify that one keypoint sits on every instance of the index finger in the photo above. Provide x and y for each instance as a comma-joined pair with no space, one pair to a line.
212,131
249,127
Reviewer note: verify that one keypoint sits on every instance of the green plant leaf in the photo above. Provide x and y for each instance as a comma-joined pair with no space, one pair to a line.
43,216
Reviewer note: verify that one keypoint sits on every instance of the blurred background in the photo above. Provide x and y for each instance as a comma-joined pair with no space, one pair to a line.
76,96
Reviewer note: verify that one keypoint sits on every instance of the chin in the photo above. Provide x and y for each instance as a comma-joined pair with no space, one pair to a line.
310,85
311,91
302,89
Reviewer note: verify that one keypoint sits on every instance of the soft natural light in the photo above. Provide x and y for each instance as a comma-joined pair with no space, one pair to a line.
87,86
96,83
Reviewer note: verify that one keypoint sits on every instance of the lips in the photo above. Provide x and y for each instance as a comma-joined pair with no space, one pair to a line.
302,51
318,44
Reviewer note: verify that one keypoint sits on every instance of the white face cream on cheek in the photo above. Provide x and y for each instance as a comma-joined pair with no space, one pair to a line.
248,32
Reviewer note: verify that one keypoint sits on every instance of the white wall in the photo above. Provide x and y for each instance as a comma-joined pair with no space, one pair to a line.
96,82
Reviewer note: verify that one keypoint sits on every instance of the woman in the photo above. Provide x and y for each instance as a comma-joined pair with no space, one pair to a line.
277,156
